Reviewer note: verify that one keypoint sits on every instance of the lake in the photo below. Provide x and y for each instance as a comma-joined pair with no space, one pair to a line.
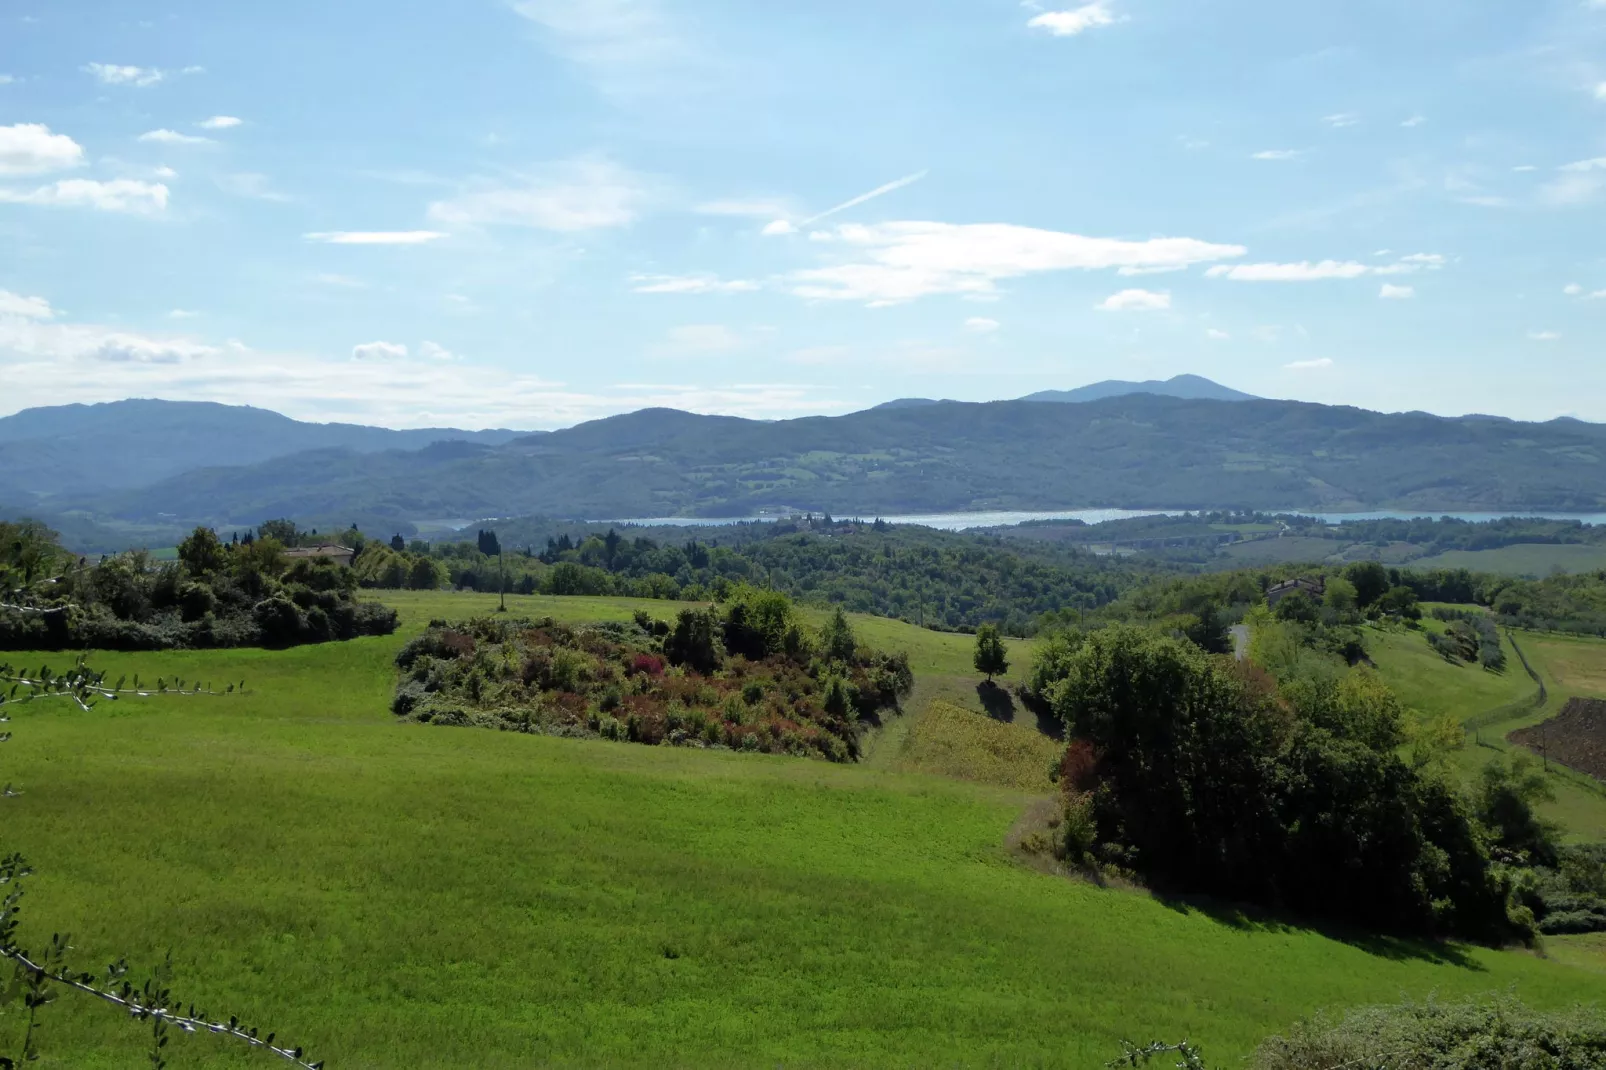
962,521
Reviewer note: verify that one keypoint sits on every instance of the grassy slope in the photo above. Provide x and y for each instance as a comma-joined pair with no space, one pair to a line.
1433,686
411,895
1523,559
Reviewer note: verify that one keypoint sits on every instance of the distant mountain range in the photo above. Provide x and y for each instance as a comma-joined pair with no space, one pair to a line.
120,445
1134,450
1178,386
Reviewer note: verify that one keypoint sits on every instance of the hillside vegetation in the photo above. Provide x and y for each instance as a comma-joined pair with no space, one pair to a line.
1135,451
397,894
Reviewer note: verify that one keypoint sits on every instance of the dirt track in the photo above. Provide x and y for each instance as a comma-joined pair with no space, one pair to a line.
1575,737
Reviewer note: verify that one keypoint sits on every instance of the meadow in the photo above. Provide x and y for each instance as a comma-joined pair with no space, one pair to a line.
393,894
1521,559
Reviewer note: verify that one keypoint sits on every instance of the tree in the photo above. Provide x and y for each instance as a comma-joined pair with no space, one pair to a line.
398,543
1371,581
838,638
488,544
283,531
28,551
1296,606
202,553
1507,793
1208,631
990,659
424,575
1342,596
694,640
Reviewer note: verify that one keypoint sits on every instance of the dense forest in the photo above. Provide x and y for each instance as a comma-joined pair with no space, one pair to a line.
1138,451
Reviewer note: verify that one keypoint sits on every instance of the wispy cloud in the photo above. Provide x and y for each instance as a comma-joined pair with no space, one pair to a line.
888,263
1278,154
375,237
173,137
1136,301
1074,21
250,184
981,325
690,284
1544,336
379,351
120,74
700,338
1342,120
28,308
1415,120
219,122
1391,292
572,196
756,208
182,314
628,47
31,149
1304,271
1310,365
1216,334
117,195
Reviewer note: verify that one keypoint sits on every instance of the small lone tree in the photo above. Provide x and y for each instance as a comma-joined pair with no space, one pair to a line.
991,659
840,643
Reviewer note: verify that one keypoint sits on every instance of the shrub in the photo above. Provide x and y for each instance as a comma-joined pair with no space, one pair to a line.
1499,1034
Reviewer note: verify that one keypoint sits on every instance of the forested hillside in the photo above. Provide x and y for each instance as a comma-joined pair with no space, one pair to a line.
1135,451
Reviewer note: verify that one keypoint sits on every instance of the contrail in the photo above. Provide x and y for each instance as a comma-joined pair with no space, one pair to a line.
906,180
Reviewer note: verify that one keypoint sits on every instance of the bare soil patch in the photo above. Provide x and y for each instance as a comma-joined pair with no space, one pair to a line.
1575,737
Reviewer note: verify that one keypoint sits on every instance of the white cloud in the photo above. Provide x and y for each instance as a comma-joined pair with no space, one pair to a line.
1136,301
1278,154
903,261
701,338
1342,120
31,149
219,122
374,237
1074,21
28,308
1304,271
117,195
116,74
1216,334
981,325
173,137
1409,265
1310,365
568,197
779,226
1415,120
182,314
1543,336
7,79
1600,91
1572,289
1524,168
436,351
690,284
1598,163
1396,293
379,351
43,363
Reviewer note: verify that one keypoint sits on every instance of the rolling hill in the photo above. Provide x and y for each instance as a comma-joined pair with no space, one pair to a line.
1135,451
125,444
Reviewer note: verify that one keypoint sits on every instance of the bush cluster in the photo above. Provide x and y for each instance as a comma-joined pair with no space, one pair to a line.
215,595
748,677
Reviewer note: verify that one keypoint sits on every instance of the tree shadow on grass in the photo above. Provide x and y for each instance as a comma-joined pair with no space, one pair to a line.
997,701
1250,918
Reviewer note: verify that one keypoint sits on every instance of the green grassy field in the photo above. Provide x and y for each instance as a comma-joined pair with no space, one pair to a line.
406,895
1500,701
1523,559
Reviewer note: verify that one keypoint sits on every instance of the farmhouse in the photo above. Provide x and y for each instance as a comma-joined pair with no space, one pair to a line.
1278,591
331,550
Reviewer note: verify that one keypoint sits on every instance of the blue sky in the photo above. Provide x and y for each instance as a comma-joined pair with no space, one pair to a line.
530,213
